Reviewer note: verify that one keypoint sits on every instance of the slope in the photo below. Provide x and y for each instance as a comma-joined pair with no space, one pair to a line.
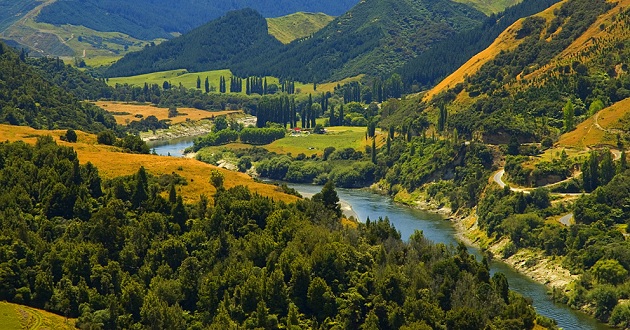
150,19
445,57
27,98
374,37
11,11
490,6
296,26
215,45
533,79
17,317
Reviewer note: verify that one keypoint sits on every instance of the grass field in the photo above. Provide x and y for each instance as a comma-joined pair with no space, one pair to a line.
298,25
339,137
17,317
189,80
112,163
489,7
161,113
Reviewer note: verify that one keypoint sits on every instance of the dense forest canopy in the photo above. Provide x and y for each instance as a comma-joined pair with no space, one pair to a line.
27,98
216,45
117,254
374,37
150,19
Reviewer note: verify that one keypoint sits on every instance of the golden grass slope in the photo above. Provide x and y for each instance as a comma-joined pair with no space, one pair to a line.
578,49
18,317
295,26
112,163
599,129
505,42
117,108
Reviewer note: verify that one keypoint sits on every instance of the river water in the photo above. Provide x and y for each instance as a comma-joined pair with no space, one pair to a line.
434,227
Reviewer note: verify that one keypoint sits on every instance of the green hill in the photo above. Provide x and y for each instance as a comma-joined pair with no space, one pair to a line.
28,98
490,6
150,19
375,37
216,45
296,26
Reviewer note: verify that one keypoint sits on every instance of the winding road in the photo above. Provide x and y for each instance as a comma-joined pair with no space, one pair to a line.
566,219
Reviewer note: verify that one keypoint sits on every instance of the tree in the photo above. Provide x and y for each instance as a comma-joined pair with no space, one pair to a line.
373,153
207,85
107,137
569,116
328,197
606,168
71,135
198,82
216,179
513,146
140,192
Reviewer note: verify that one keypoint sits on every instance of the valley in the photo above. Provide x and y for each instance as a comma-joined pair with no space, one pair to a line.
398,164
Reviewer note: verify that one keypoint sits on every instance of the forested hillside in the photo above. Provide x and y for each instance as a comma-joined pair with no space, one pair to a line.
557,204
150,19
233,38
375,37
27,98
117,254
11,11
447,56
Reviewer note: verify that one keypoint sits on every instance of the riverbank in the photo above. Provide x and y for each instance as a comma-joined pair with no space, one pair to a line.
178,131
546,270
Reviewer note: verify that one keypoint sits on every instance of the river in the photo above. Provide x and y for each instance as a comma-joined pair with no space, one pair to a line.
434,227
174,147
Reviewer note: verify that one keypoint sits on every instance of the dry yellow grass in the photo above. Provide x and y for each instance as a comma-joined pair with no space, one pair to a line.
159,113
113,163
588,134
506,41
583,42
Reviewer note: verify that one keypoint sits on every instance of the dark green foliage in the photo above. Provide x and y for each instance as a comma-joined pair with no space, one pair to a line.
376,36
368,36
216,45
215,138
448,55
261,136
71,136
74,81
535,109
150,19
244,261
106,137
28,98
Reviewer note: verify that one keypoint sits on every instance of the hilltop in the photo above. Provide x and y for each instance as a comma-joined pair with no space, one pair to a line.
216,45
374,37
296,26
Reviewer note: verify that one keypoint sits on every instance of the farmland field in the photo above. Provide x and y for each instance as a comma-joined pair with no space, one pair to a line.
125,112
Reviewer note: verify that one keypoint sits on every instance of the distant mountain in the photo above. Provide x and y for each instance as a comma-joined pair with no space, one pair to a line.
374,37
295,26
150,19
216,45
